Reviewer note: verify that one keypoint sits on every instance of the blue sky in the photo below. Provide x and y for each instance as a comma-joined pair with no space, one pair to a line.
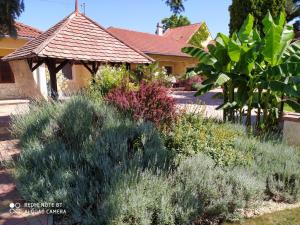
140,15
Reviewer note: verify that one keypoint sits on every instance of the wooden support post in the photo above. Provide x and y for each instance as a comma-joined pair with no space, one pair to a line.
53,80
39,63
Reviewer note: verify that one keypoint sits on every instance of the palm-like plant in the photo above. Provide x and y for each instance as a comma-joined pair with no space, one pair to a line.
256,71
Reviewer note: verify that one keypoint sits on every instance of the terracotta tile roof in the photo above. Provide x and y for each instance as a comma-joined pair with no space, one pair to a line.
25,31
79,38
170,43
182,34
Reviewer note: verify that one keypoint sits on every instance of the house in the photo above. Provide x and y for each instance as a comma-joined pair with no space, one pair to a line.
163,47
13,83
75,47
76,44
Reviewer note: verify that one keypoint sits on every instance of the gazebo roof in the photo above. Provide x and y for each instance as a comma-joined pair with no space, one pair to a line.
78,38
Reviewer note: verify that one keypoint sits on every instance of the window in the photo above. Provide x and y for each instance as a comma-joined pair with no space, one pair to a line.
190,69
169,70
67,71
6,74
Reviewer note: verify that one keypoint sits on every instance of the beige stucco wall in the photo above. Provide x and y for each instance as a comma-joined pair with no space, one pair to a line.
24,86
291,132
8,45
179,64
81,78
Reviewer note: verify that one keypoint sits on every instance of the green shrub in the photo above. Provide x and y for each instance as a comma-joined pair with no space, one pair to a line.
205,192
108,78
137,199
192,134
71,151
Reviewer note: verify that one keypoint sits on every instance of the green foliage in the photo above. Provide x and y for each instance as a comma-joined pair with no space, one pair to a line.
9,12
292,9
108,78
240,9
154,73
107,169
200,36
279,165
175,21
71,151
176,6
248,64
192,134
138,199
206,193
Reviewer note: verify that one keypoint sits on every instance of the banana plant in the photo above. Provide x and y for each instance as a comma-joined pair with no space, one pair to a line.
256,71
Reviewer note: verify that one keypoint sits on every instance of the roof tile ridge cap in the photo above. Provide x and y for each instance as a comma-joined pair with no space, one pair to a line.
192,24
130,30
114,36
65,21
29,27
140,32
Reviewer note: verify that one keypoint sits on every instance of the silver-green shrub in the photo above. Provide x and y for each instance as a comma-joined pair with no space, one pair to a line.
206,192
72,151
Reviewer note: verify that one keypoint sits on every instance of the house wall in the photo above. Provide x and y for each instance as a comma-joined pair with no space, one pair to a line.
27,84
80,79
179,64
8,45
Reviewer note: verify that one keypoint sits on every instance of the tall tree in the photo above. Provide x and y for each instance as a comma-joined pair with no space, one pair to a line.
10,10
175,21
292,8
176,6
240,9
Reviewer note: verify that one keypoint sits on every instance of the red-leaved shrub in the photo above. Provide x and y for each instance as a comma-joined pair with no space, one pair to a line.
151,103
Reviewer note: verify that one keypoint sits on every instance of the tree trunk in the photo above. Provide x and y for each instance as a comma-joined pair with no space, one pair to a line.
225,96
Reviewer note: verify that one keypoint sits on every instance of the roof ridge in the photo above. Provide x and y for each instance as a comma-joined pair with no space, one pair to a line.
192,24
47,41
142,32
29,27
114,36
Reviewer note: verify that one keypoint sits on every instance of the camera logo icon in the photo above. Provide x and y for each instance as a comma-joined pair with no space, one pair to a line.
14,207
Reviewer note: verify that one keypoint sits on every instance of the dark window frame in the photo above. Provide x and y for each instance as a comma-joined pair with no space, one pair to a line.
4,69
67,71
169,70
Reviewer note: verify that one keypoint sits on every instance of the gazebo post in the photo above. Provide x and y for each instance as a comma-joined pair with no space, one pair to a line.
53,81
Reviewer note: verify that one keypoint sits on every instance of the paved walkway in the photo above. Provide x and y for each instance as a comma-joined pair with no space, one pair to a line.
206,104
9,150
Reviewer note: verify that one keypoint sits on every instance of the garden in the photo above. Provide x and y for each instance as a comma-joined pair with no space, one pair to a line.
121,153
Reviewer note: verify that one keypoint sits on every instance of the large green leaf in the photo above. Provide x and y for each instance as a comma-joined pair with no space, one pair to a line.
293,104
204,89
284,70
222,79
234,50
202,55
284,88
246,30
272,40
286,38
222,40
292,52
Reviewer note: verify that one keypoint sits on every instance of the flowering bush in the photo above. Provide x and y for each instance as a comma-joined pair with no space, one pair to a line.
151,102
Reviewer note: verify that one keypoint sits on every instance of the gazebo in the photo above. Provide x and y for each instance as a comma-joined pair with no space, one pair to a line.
76,39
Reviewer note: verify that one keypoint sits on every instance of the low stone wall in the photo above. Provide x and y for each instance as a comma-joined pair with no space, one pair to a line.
291,129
